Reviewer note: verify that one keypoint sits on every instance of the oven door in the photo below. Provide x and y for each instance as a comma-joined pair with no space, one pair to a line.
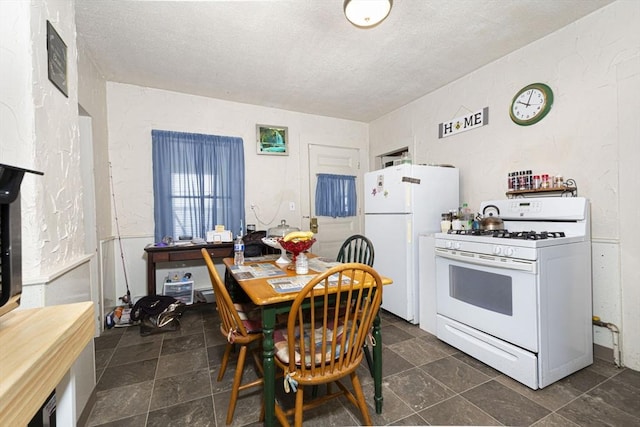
492,294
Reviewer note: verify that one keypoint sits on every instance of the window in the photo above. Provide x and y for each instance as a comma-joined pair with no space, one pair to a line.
198,183
336,195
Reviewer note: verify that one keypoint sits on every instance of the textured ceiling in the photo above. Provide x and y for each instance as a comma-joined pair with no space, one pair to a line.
303,55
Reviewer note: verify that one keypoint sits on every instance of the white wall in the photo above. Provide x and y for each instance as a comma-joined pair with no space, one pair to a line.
55,238
92,96
587,136
39,130
271,181
16,108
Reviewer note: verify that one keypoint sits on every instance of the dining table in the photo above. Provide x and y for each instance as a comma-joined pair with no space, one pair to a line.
273,287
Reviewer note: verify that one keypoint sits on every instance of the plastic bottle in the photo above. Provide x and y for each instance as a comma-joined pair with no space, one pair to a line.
467,217
238,251
302,264
545,181
537,183
406,159
445,223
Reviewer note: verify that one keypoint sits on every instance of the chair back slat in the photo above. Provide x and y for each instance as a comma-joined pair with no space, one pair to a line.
229,316
357,248
329,338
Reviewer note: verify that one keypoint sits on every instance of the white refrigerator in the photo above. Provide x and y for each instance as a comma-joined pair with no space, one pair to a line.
400,203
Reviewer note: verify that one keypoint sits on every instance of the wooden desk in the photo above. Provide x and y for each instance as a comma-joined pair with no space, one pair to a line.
38,346
273,303
156,254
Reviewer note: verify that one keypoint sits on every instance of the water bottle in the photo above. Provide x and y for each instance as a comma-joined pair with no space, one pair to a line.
302,264
467,217
238,251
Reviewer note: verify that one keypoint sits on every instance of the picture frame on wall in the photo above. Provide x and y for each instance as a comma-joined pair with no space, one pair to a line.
272,140
57,60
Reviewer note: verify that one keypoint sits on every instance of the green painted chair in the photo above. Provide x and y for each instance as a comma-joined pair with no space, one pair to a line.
358,248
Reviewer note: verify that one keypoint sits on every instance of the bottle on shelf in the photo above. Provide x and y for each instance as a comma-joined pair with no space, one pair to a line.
522,177
238,251
545,181
536,182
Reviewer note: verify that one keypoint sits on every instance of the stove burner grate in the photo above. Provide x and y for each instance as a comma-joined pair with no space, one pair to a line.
533,235
505,234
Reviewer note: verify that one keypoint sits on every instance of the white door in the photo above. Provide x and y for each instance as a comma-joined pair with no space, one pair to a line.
333,231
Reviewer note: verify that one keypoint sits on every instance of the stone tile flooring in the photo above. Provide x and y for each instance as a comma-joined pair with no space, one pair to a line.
169,379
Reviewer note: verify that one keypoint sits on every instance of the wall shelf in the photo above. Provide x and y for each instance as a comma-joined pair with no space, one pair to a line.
569,189
565,191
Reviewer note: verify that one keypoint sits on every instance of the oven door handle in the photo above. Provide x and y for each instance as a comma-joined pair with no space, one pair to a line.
488,260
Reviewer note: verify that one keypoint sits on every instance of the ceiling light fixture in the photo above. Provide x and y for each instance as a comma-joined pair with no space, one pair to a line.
367,13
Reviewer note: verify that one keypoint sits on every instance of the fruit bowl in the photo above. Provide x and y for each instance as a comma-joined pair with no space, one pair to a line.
296,247
273,242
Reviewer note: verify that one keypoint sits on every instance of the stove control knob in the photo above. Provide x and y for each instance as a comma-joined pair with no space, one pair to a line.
497,250
453,245
509,252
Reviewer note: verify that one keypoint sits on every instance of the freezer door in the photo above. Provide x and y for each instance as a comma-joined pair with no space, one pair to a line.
393,245
386,192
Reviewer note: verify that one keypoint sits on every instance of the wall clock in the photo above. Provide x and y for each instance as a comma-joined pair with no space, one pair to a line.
531,104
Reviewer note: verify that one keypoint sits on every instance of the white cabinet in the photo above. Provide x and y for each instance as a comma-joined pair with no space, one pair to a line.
427,282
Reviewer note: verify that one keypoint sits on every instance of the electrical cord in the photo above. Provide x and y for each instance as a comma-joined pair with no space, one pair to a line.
260,221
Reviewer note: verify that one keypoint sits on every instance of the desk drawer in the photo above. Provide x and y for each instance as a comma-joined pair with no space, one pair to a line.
159,256
185,255
220,252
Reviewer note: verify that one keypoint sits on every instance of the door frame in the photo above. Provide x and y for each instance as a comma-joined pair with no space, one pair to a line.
307,184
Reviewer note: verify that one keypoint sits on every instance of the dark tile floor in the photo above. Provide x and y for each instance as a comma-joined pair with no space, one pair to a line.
169,379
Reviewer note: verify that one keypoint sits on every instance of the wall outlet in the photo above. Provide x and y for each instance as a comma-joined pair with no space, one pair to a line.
292,206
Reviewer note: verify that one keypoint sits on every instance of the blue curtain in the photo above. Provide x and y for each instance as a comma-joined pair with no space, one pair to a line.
198,182
336,196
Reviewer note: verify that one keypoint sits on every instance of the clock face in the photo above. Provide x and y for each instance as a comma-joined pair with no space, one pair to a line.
531,104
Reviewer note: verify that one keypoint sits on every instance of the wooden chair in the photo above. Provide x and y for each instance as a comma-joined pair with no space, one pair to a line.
357,248
324,344
240,326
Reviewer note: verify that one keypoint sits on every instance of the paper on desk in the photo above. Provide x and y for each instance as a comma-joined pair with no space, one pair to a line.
296,283
321,264
261,258
255,271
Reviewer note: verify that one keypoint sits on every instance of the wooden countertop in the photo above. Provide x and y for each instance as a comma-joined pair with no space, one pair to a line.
37,348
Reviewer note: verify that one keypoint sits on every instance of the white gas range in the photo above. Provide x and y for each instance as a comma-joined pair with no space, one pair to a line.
519,299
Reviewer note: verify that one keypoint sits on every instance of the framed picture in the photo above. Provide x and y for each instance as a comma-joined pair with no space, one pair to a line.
57,59
273,140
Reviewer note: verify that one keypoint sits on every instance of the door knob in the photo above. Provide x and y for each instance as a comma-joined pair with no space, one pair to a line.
313,225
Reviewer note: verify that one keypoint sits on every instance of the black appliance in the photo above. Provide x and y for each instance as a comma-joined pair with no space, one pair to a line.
10,237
